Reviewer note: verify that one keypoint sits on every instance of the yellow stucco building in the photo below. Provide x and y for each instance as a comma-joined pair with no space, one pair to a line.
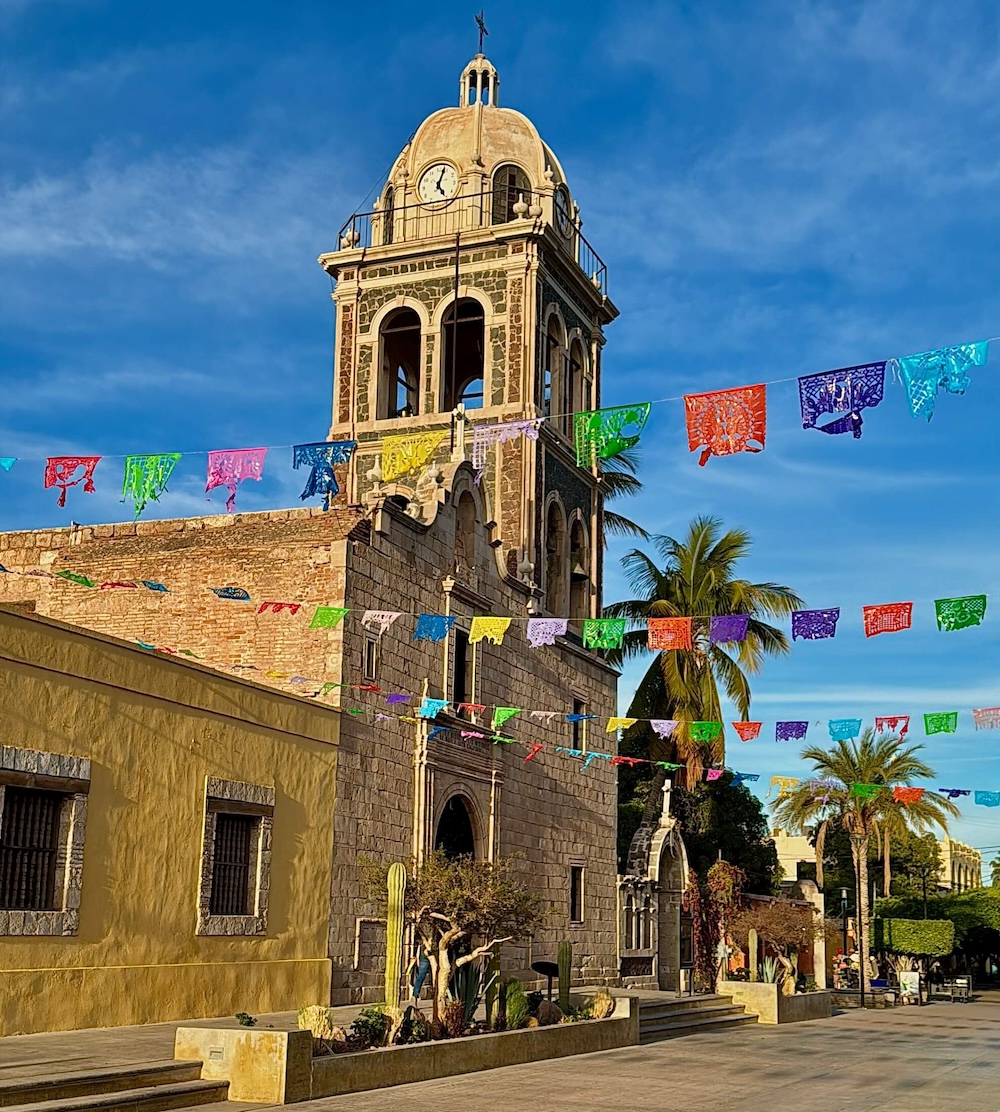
165,836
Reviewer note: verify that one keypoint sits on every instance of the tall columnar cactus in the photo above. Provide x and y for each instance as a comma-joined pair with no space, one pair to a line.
565,974
753,950
492,986
396,885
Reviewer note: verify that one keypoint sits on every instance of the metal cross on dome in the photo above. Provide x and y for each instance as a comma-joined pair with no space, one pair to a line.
481,24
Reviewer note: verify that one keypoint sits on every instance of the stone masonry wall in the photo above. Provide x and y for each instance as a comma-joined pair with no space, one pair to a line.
548,809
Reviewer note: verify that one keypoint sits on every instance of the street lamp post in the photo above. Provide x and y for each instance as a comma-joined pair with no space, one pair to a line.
843,915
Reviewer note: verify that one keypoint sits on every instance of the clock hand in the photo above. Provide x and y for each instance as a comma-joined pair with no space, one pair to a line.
441,179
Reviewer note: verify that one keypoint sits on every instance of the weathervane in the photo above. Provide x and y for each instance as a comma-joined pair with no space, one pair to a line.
481,24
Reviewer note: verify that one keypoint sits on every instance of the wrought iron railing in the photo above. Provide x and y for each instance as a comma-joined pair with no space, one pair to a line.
463,213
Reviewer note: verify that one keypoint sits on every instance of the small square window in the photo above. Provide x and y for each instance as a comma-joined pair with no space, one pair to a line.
369,663
576,893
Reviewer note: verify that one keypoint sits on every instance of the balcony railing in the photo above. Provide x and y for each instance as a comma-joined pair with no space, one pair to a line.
464,213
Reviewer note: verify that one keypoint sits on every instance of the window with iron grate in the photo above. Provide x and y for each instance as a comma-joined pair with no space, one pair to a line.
29,846
233,863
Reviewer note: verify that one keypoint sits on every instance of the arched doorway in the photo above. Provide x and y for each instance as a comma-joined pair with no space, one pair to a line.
455,835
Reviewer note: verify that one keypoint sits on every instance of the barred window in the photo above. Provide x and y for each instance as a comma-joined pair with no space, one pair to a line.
232,863
235,858
29,845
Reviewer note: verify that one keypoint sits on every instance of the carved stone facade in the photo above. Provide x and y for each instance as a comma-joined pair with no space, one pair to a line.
463,294
650,894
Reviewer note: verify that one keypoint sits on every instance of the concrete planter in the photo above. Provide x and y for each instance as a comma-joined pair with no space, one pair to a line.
767,1002
276,1067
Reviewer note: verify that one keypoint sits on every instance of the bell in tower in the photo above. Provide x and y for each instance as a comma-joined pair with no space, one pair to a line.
470,324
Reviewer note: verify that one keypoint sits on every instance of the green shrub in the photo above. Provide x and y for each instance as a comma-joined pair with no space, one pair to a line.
371,1026
244,1019
920,937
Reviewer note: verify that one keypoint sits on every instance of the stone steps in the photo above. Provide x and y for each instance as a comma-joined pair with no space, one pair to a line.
150,1087
671,1019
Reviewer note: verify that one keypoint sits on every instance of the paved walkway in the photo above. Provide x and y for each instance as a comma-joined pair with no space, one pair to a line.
54,1052
902,1060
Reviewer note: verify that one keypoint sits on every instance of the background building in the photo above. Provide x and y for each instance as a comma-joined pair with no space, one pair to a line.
961,866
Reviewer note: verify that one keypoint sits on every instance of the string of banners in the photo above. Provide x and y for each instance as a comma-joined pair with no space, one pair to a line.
428,710
662,634
822,791
719,423
839,729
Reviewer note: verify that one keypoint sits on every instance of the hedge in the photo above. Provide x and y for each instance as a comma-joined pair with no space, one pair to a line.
920,937
976,908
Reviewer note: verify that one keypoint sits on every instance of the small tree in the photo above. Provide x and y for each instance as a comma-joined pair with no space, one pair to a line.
780,924
461,909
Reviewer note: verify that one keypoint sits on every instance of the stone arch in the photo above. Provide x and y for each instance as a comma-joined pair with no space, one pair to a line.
556,557
400,359
576,378
553,339
400,302
580,576
438,387
668,871
457,831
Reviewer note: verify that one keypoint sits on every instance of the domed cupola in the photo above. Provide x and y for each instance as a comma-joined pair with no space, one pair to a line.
480,84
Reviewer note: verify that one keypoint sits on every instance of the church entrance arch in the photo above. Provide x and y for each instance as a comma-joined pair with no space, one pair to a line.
456,835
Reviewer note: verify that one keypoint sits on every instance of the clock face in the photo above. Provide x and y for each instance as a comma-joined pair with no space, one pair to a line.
563,219
438,183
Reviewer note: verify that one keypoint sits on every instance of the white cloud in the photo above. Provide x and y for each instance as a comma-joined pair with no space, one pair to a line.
228,203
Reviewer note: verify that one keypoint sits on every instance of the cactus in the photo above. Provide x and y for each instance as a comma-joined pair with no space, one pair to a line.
396,886
753,949
492,987
565,974
517,1005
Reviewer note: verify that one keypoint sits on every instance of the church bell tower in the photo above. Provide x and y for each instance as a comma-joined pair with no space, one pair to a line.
468,297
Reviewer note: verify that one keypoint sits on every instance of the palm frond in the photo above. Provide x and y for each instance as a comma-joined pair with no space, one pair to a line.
617,525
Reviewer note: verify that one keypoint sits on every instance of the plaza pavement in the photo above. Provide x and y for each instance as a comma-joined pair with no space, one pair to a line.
945,1056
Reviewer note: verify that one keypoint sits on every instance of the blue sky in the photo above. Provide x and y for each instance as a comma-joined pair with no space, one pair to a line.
778,189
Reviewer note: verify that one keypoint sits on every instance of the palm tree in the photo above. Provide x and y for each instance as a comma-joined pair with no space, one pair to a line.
869,760
618,480
698,579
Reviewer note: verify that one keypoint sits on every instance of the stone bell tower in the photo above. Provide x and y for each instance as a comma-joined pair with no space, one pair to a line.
468,297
